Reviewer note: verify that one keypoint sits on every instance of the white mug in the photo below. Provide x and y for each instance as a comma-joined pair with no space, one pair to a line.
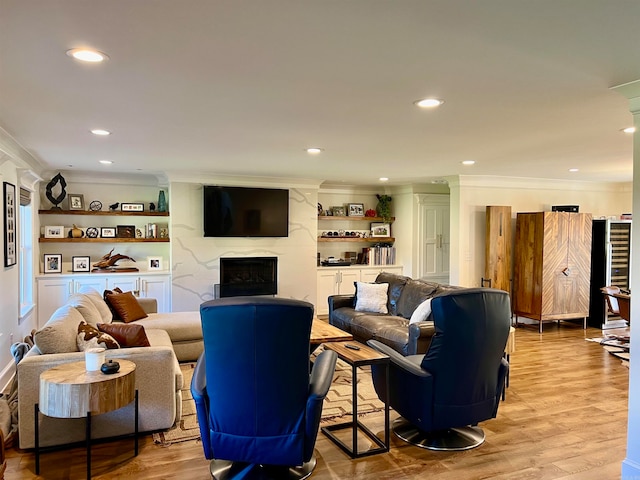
94,358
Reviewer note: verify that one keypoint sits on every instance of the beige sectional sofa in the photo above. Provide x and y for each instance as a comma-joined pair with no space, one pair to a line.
174,337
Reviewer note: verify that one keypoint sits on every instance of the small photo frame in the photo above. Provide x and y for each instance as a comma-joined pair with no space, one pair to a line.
154,263
54,231
337,211
108,232
10,227
132,207
80,264
380,230
355,209
53,263
126,231
76,201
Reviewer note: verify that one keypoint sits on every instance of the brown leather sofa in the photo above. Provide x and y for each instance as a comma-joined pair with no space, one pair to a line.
393,329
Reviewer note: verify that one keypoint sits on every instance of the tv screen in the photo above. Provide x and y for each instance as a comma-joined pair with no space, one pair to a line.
245,212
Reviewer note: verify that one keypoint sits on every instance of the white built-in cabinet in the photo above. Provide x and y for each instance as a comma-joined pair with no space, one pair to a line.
53,290
340,281
433,237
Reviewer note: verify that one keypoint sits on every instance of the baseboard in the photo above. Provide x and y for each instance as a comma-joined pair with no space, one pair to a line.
6,376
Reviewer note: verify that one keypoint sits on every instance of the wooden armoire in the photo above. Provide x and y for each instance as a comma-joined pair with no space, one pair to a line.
552,266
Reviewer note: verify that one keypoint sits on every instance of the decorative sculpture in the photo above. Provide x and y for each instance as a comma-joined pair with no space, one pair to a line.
58,179
108,262
162,202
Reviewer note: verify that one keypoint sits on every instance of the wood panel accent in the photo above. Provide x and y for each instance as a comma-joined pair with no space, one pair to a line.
69,391
552,265
497,266
565,417
99,213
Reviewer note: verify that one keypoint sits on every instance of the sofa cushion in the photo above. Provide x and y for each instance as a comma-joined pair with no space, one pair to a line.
127,335
86,307
90,337
371,297
422,312
413,294
396,284
59,334
125,305
181,326
98,301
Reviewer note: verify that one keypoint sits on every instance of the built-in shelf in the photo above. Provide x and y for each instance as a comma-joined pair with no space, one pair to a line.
368,219
101,240
110,213
357,239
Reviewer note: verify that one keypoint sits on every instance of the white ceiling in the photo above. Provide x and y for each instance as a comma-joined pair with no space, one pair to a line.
240,87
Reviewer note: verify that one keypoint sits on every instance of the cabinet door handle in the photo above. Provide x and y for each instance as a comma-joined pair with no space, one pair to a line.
71,287
144,286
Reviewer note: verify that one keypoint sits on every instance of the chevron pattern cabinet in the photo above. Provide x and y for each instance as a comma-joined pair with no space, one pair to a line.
552,266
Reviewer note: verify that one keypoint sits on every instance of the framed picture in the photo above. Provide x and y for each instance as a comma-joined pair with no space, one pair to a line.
76,202
80,264
132,207
154,263
355,210
10,227
52,263
126,231
380,230
337,211
54,231
108,232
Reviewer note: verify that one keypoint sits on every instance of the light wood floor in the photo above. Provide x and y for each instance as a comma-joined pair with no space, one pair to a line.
565,417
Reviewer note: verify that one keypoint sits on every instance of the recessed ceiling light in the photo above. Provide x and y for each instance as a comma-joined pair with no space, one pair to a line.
574,169
629,130
106,162
468,162
314,150
87,55
99,131
384,179
429,102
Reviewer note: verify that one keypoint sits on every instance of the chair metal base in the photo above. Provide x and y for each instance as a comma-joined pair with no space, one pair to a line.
227,470
452,439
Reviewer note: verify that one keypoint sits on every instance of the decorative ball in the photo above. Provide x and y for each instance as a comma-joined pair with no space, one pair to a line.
91,232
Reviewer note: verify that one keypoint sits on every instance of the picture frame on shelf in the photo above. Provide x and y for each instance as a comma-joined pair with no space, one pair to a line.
154,263
52,263
379,229
80,264
132,207
338,211
108,232
355,210
10,227
125,231
53,231
76,201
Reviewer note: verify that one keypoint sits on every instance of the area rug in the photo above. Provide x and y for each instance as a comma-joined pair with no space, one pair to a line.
616,345
337,404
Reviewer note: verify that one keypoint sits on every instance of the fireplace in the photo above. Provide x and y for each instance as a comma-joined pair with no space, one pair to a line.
248,276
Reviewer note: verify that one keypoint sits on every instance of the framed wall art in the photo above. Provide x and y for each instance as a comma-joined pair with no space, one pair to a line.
380,230
126,231
154,263
108,232
355,210
53,263
76,202
54,231
132,207
80,264
10,227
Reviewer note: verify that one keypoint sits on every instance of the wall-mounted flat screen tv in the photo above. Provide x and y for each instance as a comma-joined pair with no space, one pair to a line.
245,212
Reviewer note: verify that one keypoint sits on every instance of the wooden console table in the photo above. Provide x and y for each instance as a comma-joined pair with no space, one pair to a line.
69,391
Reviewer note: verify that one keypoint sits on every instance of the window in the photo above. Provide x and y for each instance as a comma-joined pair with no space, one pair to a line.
26,252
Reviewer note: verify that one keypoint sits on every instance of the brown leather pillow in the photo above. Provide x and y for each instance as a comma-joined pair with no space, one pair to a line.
125,305
126,335
114,314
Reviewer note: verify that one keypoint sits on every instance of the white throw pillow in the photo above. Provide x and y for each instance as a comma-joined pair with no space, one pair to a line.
371,297
422,312
96,297
86,307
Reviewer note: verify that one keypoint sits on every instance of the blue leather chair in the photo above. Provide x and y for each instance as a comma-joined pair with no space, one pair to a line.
443,394
258,406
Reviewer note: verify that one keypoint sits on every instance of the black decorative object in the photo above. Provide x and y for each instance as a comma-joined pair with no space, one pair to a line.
58,179
95,206
91,232
152,207
113,206
110,367
10,227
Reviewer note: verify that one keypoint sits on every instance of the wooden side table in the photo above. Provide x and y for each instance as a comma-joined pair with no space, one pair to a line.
69,391
364,355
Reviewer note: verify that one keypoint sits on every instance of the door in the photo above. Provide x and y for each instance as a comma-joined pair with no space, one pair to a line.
434,238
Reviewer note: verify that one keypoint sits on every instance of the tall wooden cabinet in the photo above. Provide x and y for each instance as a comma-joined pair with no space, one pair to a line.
497,259
552,266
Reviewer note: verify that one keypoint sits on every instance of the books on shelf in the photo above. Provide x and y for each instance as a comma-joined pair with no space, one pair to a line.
379,255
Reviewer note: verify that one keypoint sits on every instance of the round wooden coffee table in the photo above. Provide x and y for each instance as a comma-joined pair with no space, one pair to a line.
70,391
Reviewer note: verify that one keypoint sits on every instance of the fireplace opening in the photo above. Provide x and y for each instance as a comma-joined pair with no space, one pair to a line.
248,276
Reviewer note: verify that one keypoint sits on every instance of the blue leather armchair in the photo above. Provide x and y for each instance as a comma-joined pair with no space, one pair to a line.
443,394
258,406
